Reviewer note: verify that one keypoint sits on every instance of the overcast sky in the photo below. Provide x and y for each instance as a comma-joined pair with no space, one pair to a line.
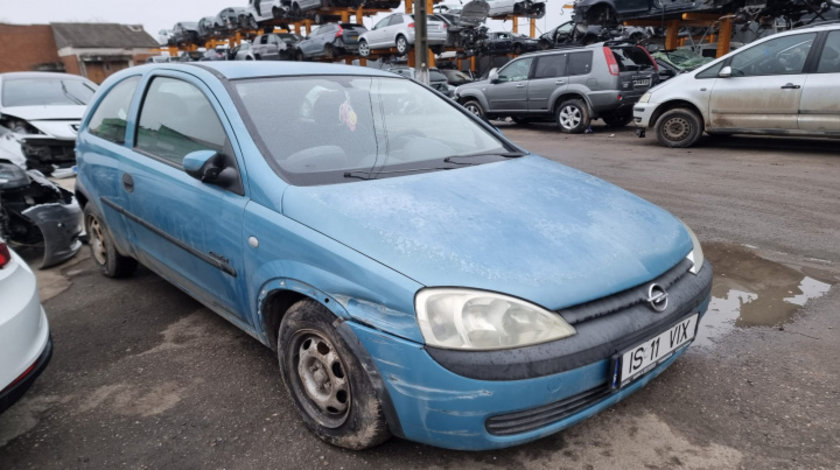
155,15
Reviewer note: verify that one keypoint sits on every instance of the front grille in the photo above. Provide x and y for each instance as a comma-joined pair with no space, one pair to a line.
535,418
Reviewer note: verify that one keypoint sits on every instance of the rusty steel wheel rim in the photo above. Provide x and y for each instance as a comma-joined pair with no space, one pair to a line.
323,379
676,129
97,241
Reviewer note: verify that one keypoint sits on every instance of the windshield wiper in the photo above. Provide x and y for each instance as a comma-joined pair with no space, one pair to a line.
451,158
374,174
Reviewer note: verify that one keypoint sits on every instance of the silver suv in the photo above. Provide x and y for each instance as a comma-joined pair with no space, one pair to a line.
571,86
786,84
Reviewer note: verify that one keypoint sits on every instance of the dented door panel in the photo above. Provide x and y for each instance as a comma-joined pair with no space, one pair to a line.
765,102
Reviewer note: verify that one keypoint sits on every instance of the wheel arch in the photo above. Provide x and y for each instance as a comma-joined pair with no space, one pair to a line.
570,95
674,104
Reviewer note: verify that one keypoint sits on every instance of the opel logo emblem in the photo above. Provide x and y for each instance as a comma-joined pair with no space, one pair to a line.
657,298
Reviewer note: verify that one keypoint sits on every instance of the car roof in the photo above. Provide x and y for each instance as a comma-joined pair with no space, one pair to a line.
233,70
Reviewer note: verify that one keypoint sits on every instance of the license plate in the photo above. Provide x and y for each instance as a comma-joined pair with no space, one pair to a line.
354,36
643,357
642,82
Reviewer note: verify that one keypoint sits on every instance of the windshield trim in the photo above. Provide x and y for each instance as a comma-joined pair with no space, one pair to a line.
337,176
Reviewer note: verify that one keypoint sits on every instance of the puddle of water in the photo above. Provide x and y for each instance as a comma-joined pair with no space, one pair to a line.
750,291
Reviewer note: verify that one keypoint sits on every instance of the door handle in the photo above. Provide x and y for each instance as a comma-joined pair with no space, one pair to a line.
560,82
790,86
521,85
128,182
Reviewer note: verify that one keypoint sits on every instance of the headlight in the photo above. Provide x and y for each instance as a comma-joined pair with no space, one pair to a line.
452,318
645,98
696,255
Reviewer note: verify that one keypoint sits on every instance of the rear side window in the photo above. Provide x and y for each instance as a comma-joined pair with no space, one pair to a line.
580,63
108,121
631,59
550,66
176,119
830,58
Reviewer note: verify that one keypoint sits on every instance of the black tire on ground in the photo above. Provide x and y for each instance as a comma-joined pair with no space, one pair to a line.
402,45
617,119
573,116
329,386
102,248
474,107
678,128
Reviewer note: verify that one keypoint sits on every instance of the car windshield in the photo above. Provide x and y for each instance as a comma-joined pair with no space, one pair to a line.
321,129
46,91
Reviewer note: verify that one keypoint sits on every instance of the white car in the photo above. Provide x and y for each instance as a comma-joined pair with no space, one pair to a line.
785,84
397,31
529,8
39,116
25,344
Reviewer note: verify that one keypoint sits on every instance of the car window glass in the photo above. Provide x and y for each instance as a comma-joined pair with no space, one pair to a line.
579,63
396,19
565,28
631,58
830,58
46,91
171,135
711,72
436,76
516,71
332,124
382,23
550,66
109,119
780,56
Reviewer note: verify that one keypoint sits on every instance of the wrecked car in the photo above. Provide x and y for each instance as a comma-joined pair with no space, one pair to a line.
504,42
464,25
39,116
38,215
569,33
527,8
376,235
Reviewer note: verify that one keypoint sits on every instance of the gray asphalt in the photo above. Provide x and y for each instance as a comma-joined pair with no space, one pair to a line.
145,377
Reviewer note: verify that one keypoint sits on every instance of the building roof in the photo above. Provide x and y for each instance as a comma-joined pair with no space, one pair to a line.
101,35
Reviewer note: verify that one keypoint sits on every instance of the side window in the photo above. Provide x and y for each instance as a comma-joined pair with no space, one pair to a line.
550,66
516,71
830,58
580,63
711,72
108,121
780,56
396,19
264,39
382,23
176,119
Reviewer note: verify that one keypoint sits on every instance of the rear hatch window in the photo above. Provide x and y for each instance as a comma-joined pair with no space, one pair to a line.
636,67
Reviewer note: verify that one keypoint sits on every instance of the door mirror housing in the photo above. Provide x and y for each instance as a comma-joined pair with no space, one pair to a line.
725,72
208,166
493,75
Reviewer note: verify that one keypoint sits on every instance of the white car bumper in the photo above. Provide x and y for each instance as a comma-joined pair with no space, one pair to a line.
642,113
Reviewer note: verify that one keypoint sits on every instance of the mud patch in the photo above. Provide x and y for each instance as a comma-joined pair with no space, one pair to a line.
752,291
131,400
23,416
183,333
53,281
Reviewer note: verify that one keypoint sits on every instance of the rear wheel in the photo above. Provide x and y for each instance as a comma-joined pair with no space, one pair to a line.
102,249
573,116
328,384
679,128
402,45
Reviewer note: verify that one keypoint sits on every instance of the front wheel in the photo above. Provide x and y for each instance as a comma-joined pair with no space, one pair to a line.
364,48
102,249
573,116
679,128
402,45
474,107
328,384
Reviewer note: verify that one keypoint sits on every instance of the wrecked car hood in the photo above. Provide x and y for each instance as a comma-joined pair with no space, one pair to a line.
526,227
474,13
35,113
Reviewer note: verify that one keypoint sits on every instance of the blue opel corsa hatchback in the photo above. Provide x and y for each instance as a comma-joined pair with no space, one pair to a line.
418,274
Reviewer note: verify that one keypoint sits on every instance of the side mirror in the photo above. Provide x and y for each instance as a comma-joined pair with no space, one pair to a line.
493,75
725,72
208,166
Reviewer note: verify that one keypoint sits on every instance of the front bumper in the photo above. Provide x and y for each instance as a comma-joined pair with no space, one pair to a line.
642,113
437,406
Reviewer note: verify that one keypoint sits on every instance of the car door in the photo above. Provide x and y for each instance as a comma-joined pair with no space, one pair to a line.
549,76
819,108
765,86
509,93
188,231
376,36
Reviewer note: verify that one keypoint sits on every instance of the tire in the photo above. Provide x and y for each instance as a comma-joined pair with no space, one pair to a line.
102,248
329,386
618,119
474,107
402,45
247,57
329,51
678,128
364,49
573,116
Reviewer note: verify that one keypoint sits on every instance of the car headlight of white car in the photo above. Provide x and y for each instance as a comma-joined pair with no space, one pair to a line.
468,319
696,254
645,98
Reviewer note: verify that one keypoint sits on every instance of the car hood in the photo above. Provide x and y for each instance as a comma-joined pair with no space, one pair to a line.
34,113
528,227
474,13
